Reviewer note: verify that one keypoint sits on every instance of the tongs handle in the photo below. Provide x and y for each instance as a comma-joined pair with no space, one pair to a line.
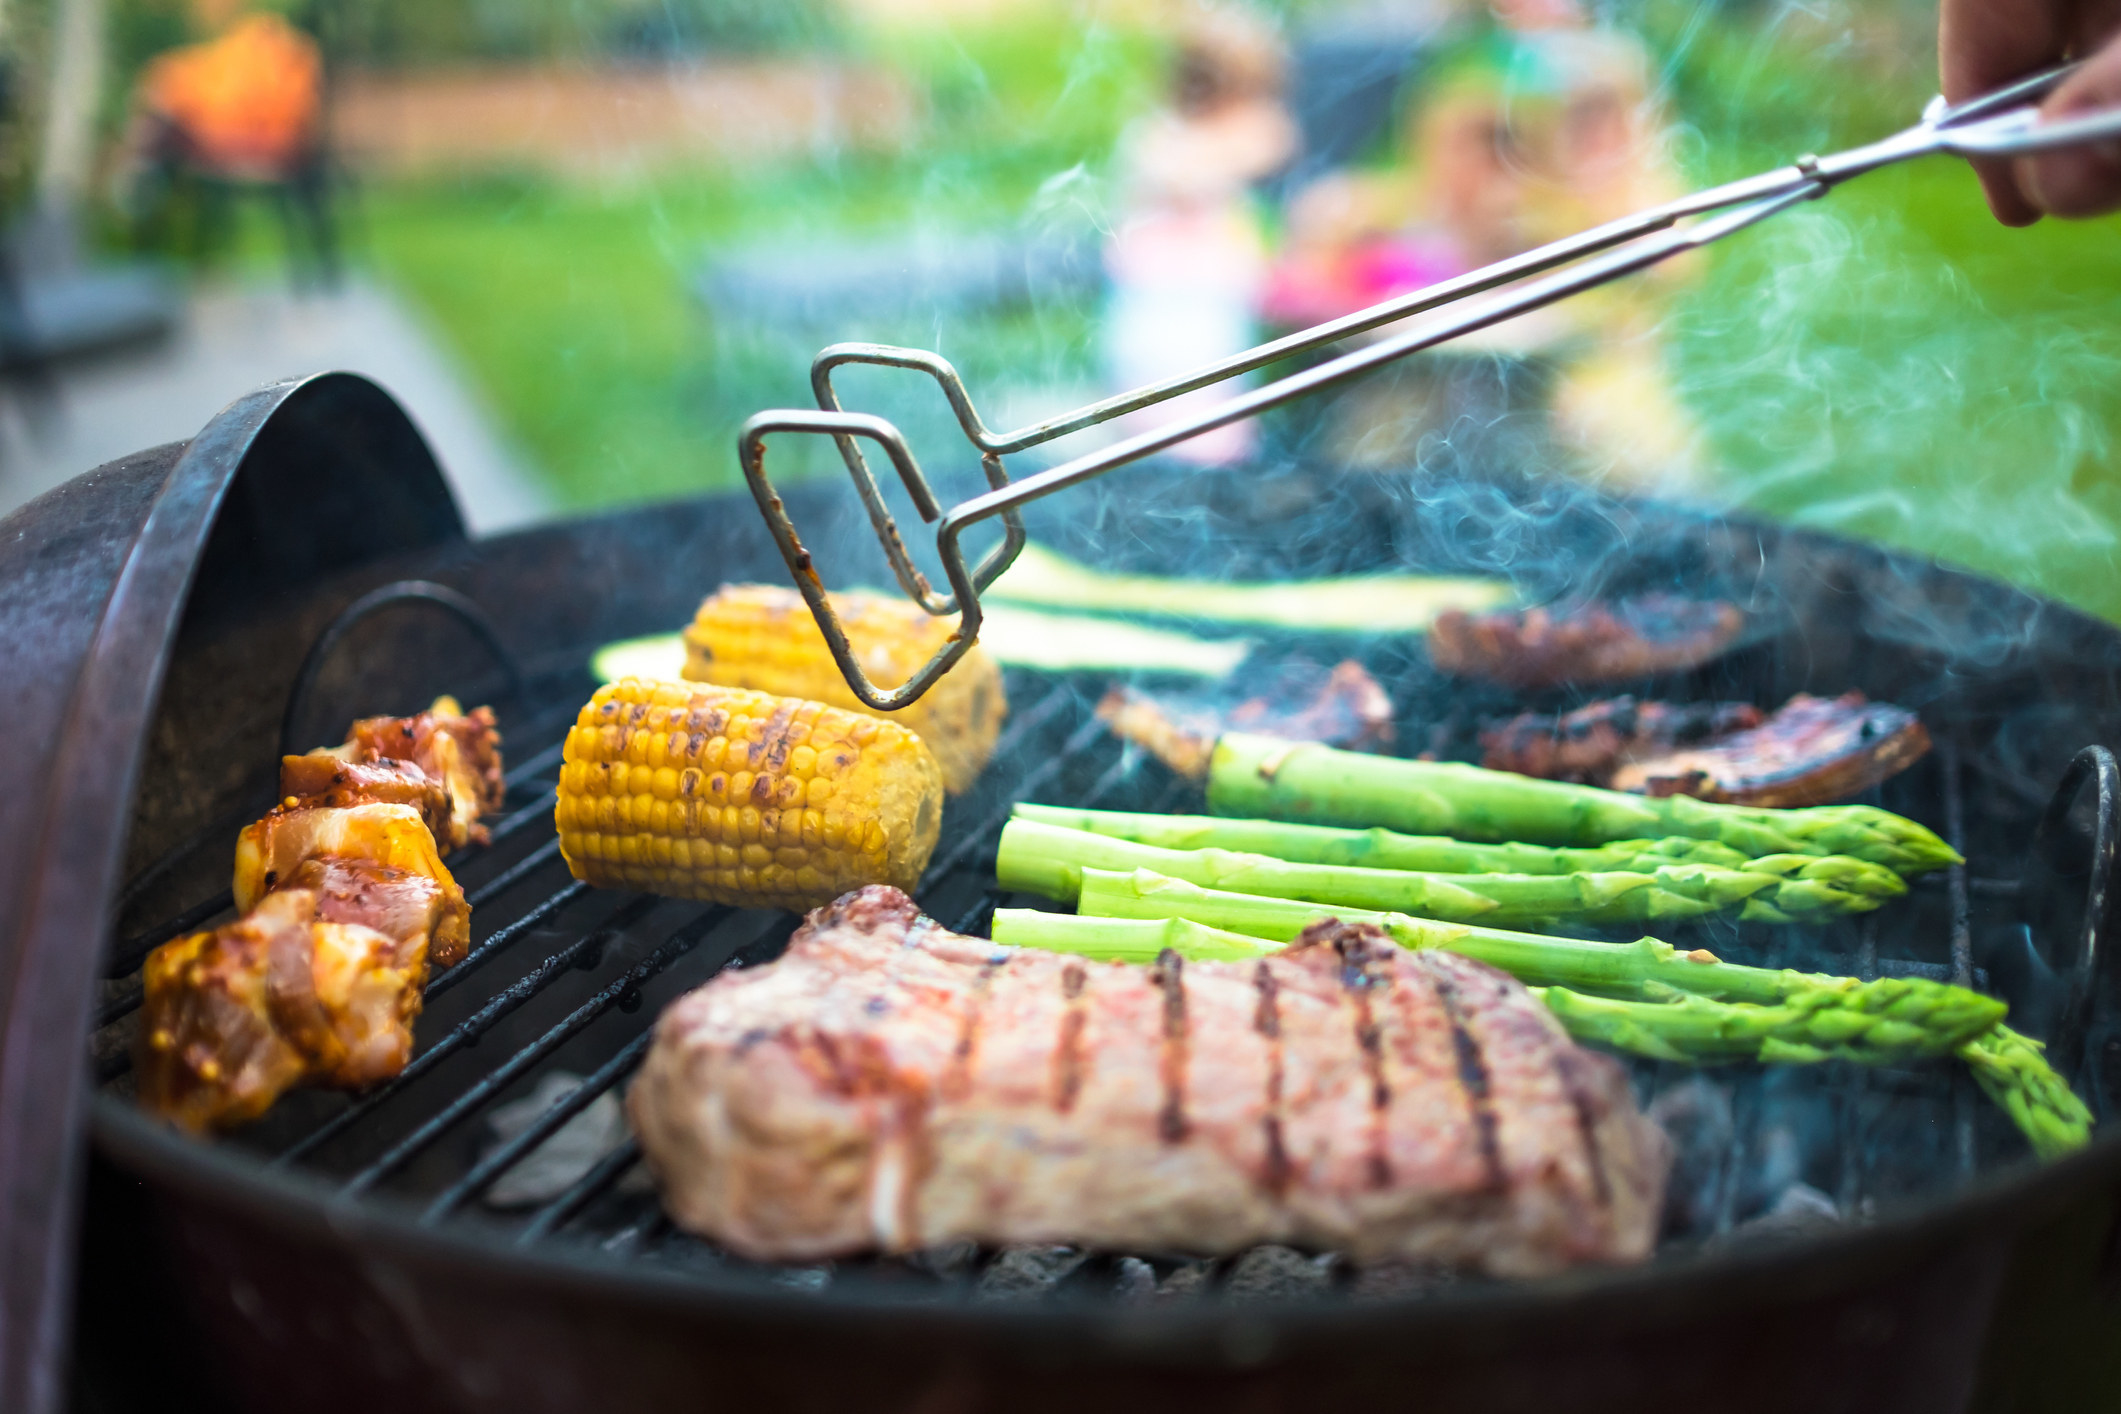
2005,122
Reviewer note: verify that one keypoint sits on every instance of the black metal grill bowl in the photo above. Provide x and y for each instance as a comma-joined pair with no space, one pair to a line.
341,1254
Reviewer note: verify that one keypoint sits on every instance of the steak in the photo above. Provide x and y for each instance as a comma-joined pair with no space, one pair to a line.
888,1085
1589,744
1586,643
1812,751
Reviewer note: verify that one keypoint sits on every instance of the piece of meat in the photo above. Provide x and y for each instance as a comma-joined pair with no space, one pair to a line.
1590,743
461,750
408,908
234,1017
327,779
1813,751
1344,708
1590,643
889,1085
269,850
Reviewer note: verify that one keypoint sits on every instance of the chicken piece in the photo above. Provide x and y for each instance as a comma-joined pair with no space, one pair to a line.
324,779
764,637
461,750
1592,643
1346,709
1589,744
270,850
234,1017
889,1085
1813,751
408,908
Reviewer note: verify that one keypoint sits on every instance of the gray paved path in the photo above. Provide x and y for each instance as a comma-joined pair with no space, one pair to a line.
234,339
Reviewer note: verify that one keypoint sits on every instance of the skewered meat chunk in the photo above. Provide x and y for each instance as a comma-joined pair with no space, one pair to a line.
742,797
764,637
460,750
890,1085
236,1016
270,850
322,779
1346,709
1592,643
1813,751
1589,744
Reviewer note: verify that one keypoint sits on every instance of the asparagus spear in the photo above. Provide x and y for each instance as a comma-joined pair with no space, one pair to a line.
1047,859
1646,968
2013,1073
1266,776
1386,849
1877,1023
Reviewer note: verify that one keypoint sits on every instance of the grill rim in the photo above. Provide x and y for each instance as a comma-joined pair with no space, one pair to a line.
2001,1202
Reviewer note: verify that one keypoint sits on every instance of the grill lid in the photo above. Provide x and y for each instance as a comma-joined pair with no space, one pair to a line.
293,481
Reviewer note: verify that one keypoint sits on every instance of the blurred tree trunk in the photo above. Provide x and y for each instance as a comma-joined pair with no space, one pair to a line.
66,165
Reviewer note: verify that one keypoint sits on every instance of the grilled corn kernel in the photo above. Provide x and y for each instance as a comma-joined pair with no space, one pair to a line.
743,797
760,636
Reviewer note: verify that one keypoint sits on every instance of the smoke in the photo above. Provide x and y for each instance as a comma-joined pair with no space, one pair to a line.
1888,365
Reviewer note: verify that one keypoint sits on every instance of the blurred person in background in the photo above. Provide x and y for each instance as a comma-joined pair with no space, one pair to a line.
1531,127
241,107
1187,260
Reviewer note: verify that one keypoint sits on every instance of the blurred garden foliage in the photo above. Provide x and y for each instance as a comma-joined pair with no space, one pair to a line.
1887,362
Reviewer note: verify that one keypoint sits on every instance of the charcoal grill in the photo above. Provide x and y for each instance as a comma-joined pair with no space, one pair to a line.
168,619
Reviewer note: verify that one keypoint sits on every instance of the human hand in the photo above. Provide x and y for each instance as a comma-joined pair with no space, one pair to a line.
1984,44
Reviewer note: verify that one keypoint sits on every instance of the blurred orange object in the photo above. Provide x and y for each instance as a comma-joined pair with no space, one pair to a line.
247,102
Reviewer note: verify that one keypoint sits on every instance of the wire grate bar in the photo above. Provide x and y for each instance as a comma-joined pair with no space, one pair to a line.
676,946
487,1170
584,1191
503,937
532,767
962,849
1034,717
1962,941
514,874
472,1027
127,957
121,1006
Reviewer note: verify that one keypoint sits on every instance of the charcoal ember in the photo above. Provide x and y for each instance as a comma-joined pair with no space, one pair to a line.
805,1278
1027,1273
1696,1116
1811,751
1586,643
1800,1210
1400,1281
1298,700
574,1149
1274,1273
946,1261
1188,1282
1133,1281
1589,744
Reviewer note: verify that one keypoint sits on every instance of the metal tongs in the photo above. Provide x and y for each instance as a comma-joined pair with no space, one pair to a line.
2005,123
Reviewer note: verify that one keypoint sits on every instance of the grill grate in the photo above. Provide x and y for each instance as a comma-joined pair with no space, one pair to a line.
570,979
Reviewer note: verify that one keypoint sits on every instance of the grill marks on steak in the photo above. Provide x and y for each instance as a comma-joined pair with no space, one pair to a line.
890,1085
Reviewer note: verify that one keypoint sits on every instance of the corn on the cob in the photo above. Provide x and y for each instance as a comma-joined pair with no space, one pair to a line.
763,637
743,797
